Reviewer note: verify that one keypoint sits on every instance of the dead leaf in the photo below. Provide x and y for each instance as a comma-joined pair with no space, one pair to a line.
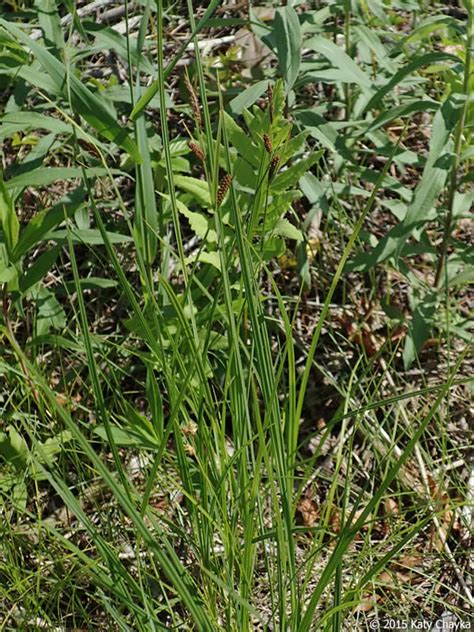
356,517
391,507
368,603
369,342
253,50
309,511
335,520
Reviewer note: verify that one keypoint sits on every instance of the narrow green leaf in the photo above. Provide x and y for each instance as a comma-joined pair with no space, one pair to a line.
83,101
49,22
422,206
350,531
45,221
288,39
42,176
248,97
420,328
146,213
373,41
90,236
398,112
155,86
339,59
241,141
409,69
427,27
9,224
438,164
39,269
34,120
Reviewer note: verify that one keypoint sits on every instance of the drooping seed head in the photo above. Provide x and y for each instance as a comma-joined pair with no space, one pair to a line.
193,99
197,151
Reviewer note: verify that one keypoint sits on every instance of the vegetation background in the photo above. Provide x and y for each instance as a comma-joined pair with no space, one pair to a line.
235,256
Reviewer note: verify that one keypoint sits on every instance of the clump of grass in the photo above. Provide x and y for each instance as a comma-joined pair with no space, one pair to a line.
177,451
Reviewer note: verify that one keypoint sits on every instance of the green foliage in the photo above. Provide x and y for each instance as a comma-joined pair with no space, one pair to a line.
20,465
176,291
261,182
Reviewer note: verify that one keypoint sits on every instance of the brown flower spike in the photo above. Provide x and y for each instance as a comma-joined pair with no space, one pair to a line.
268,143
224,185
197,151
273,166
193,100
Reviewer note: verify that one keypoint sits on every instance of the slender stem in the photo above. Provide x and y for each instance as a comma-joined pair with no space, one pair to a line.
166,141
347,40
457,157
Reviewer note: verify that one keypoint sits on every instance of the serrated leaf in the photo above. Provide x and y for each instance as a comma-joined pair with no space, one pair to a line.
284,228
47,452
206,257
7,273
273,247
50,312
128,437
19,496
197,188
199,223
